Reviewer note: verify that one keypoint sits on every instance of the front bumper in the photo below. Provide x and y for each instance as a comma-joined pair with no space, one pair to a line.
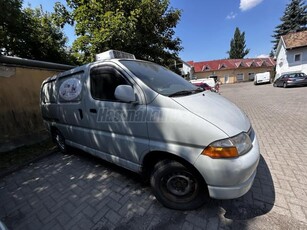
233,191
229,178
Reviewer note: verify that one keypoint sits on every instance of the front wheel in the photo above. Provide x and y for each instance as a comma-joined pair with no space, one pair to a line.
176,186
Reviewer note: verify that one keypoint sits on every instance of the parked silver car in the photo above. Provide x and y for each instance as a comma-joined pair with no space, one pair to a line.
139,115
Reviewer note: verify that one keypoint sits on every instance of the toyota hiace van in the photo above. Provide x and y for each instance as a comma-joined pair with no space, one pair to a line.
189,143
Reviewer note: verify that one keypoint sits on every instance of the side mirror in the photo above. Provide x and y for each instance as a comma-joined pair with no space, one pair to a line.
125,93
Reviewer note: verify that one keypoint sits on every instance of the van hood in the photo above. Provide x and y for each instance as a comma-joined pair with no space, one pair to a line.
217,110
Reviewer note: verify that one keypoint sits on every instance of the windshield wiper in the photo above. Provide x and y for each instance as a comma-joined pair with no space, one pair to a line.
199,89
181,93
185,92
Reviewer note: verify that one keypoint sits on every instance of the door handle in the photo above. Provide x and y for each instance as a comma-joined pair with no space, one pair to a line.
93,110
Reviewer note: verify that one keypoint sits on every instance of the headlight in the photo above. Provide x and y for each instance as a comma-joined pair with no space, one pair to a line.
230,147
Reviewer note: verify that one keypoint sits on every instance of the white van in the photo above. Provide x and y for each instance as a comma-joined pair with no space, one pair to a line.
189,143
262,78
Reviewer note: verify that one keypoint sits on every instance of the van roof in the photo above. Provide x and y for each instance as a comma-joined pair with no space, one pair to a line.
104,56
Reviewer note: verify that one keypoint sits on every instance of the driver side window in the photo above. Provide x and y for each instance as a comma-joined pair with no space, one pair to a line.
103,81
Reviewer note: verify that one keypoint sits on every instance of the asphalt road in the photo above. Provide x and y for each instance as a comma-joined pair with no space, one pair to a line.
78,191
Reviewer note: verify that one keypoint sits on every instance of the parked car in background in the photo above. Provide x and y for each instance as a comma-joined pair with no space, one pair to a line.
262,78
204,86
208,81
291,79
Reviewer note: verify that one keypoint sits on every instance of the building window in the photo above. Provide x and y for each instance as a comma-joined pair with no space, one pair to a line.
253,64
226,78
251,76
240,77
297,57
223,66
206,68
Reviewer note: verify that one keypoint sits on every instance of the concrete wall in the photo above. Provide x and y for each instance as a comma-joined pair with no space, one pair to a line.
19,100
19,96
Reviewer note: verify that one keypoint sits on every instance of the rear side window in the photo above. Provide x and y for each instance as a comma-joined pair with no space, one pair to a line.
104,81
48,92
70,88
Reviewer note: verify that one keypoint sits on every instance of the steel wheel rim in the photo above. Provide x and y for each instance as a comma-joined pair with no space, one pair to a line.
180,184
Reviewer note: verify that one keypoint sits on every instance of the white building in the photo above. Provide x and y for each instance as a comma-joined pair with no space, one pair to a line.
291,53
186,70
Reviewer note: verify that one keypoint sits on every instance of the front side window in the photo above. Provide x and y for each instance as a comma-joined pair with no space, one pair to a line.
160,79
104,81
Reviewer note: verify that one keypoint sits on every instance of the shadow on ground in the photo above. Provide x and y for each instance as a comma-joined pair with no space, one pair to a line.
234,213
78,190
258,201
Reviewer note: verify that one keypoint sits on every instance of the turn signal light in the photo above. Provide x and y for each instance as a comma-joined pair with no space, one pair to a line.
220,152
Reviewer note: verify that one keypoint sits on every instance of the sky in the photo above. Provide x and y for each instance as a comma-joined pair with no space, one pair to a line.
207,27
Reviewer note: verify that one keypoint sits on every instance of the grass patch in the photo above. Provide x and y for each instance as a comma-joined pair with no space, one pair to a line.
23,155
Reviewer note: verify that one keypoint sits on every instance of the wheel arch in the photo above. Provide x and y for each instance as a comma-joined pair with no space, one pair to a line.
152,158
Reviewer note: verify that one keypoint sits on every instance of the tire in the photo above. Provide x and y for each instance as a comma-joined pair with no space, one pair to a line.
60,141
285,85
274,84
177,187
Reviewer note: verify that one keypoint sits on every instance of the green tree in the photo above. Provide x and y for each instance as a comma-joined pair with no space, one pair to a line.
144,28
31,33
272,54
294,19
237,45
11,21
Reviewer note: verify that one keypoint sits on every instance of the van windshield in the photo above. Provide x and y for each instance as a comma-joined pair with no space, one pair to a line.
160,79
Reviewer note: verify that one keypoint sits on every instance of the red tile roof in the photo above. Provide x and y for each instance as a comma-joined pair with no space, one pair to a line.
295,40
228,64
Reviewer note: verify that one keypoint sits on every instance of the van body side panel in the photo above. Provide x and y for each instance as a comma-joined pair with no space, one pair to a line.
118,129
72,117
114,127
108,157
174,129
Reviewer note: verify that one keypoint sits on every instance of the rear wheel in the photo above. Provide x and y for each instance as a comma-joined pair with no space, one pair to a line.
176,186
60,141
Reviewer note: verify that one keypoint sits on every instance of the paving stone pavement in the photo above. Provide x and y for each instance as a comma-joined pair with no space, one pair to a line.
78,191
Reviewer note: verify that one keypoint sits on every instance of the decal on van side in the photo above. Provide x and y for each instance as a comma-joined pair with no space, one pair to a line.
70,89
